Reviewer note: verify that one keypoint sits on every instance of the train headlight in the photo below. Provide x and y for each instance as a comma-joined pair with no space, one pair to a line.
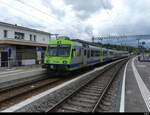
64,62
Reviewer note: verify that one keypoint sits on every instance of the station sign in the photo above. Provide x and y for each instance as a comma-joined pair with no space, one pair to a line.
38,48
9,50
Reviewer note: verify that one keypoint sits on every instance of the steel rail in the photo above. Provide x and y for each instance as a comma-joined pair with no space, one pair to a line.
25,92
57,105
106,88
11,87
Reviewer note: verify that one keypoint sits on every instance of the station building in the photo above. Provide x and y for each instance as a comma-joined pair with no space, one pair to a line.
21,45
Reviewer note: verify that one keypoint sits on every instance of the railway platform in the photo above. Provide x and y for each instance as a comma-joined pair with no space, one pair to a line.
7,69
16,75
137,85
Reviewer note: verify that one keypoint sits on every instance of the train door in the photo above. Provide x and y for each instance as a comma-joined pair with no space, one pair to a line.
85,56
4,59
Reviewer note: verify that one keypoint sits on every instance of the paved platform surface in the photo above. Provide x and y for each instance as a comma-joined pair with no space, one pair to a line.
137,86
12,76
5,69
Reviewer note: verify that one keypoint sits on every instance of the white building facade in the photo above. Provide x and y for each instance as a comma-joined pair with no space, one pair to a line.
21,46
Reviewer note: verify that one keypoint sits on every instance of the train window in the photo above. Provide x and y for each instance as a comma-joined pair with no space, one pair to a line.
88,55
92,53
84,52
73,53
105,53
97,53
79,51
111,53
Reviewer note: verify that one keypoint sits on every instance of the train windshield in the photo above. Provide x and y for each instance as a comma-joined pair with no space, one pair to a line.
60,51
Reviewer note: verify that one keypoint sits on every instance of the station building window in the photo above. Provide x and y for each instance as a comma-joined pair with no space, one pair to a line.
5,33
30,37
19,35
34,37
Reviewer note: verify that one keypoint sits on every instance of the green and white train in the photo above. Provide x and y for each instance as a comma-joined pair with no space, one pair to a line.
68,55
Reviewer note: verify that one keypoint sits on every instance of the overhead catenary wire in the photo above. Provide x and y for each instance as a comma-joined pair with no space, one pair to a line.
23,12
43,12
37,9
27,14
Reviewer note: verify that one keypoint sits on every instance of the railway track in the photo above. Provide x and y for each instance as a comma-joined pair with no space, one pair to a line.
16,93
12,95
89,96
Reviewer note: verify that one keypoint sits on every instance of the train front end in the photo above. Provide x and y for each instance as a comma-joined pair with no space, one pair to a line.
58,56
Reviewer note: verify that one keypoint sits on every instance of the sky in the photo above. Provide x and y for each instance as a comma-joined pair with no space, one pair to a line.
82,19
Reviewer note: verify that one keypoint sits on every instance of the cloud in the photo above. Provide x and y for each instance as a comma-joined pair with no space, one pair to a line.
80,19
85,8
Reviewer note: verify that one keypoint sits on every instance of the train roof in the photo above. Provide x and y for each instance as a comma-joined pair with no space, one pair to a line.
94,47
81,43
84,42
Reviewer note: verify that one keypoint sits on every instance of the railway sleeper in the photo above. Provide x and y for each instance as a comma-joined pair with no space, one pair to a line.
96,89
108,98
86,96
90,94
75,108
76,103
66,110
106,103
86,100
99,84
91,91
103,108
